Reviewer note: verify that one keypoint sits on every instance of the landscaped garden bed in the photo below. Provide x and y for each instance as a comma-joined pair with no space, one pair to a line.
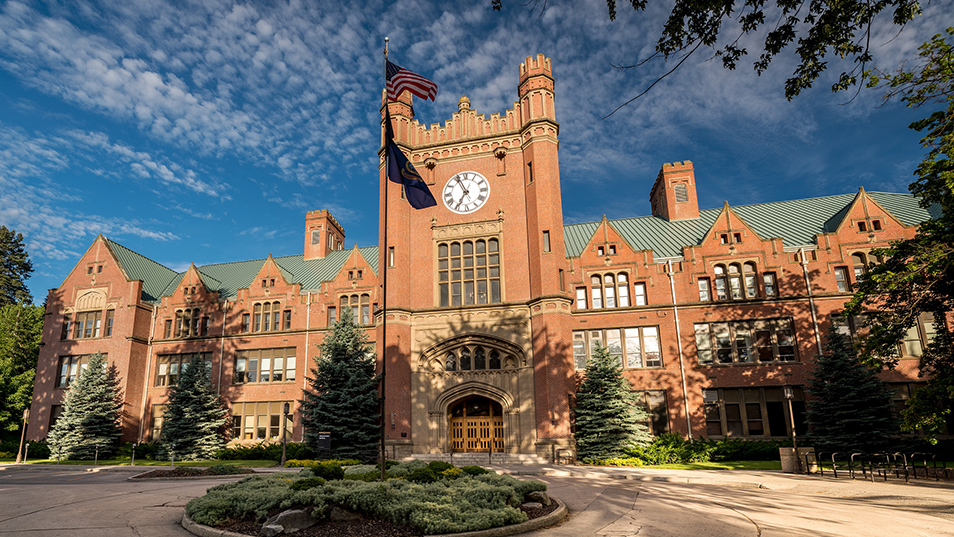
415,499
187,471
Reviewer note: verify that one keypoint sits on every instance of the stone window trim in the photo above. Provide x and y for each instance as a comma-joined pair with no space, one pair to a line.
261,366
260,420
469,271
266,316
170,366
635,347
746,342
360,304
187,323
497,356
69,367
609,290
915,340
752,412
738,280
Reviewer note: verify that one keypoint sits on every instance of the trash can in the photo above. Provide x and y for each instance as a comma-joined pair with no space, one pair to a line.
806,462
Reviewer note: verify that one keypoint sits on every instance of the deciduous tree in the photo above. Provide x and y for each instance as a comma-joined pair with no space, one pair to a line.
194,415
818,30
21,327
607,416
343,399
92,411
917,275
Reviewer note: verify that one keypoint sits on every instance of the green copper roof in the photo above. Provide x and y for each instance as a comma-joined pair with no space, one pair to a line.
228,278
155,277
796,222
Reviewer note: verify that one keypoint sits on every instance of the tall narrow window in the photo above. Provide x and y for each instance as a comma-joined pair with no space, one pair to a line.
841,278
751,281
562,281
546,241
286,322
860,265
735,281
67,326
257,323
390,256
703,289
331,315
622,280
771,286
639,294
720,283
110,315
245,322
581,298
529,172
609,286
681,193
365,309
596,292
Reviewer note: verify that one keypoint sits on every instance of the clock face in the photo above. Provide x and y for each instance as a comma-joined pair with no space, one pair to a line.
466,192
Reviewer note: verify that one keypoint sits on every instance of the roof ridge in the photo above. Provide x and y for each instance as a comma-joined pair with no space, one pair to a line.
140,255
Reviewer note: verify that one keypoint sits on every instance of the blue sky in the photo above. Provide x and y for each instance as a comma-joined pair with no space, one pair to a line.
203,131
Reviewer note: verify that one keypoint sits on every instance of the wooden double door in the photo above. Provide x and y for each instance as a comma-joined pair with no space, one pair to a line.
476,425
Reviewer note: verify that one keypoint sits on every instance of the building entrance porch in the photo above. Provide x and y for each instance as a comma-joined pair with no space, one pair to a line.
476,425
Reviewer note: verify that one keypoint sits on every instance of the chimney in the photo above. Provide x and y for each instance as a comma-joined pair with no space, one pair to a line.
323,234
673,195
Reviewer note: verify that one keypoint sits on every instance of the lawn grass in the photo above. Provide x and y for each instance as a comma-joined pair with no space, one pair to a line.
147,462
722,465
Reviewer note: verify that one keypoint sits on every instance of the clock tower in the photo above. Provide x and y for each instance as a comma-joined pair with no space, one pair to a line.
477,355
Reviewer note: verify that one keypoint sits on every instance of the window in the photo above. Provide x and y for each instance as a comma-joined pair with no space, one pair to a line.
99,269
315,236
260,421
529,172
751,281
546,241
187,324
704,289
390,256
632,347
612,249
170,366
264,365
286,320
581,298
600,251
919,336
720,282
736,281
862,226
331,315
724,238
737,237
158,411
267,317
655,403
681,193
752,412
639,296
766,340
67,326
168,329
612,291
110,315
89,269
841,278
478,358
771,285
562,280
87,325
245,322
876,225
469,272
860,265
360,307
69,368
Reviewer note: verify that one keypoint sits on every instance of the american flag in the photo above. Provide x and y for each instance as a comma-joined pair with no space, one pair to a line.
400,79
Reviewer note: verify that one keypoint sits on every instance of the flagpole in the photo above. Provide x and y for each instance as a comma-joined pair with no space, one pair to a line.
384,316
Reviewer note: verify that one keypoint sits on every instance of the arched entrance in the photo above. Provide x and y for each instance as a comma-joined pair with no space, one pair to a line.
476,425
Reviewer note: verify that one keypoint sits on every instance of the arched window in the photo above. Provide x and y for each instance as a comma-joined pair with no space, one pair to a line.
451,363
187,323
623,289
478,357
751,280
597,293
721,284
465,359
469,272
612,291
735,281
494,360
860,263
480,360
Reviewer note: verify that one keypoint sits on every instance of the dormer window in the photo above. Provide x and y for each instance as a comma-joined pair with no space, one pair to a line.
876,225
600,251
612,249
862,226
724,238
737,237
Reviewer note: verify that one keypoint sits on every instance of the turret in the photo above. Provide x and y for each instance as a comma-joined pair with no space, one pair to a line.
673,195
323,234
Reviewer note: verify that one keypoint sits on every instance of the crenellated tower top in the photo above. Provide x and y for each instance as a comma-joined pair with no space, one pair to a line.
535,73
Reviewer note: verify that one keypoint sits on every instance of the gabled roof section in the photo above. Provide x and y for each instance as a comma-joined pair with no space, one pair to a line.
796,222
155,277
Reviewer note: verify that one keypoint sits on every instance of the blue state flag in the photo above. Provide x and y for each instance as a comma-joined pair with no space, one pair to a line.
401,171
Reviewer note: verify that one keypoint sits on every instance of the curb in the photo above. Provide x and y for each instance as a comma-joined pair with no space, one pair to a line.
71,468
633,477
550,519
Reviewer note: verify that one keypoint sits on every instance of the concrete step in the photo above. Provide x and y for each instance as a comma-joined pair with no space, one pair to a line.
479,459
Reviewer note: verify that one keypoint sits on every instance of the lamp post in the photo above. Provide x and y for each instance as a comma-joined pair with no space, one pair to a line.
284,432
133,462
26,416
789,396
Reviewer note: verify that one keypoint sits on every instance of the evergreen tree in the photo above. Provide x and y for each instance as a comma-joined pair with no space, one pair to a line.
194,415
851,408
15,268
607,416
91,414
21,327
343,399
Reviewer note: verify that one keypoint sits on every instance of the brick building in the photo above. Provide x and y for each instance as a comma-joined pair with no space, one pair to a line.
494,305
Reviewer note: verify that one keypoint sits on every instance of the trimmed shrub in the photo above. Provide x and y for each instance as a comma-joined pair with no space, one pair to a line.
439,466
295,463
422,475
307,483
329,472
474,470
226,469
265,451
404,469
452,473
